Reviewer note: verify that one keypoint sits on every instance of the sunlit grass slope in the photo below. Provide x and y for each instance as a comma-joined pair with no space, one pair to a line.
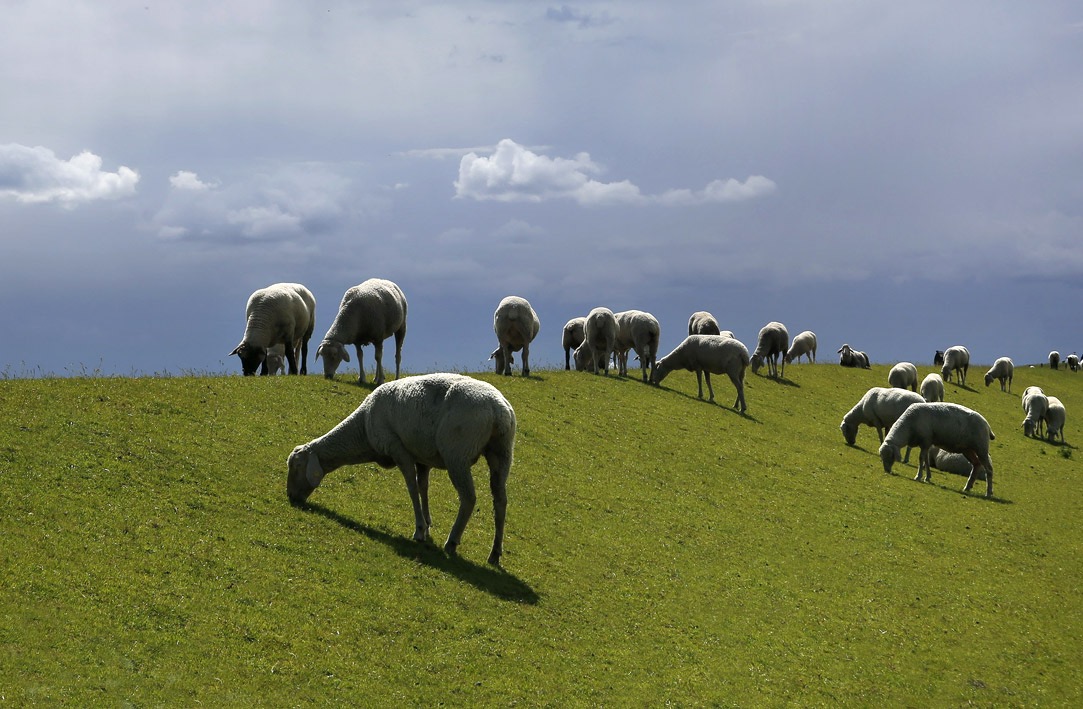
659,549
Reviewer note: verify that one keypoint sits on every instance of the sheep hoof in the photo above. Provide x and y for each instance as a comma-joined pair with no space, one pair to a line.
451,549
494,559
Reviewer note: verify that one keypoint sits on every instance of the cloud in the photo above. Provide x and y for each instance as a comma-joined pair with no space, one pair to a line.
36,175
514,173
566,14
185,180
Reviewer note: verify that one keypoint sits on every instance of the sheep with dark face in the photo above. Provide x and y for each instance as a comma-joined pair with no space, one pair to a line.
1035,403
599,339
772,343
1003,369
516,325
903,375
804,344
281,314
957,360
369,313
639,331
571,338
702,323
849,357
706,355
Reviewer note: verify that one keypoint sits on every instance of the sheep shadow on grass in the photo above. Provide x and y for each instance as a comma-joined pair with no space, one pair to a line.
724,407
492,580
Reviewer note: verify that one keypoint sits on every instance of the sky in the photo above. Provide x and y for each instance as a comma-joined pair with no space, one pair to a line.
901,177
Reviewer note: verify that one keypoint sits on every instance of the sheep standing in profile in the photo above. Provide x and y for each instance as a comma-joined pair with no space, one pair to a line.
369,313
1002,369
849,357
702,323
599,339
639,331
951,427
903,375
804,344
418,423
1055,416
706,355
571,338
516,325
281,314
1054,360
879,408
1035,404
956,359
932,387
772,343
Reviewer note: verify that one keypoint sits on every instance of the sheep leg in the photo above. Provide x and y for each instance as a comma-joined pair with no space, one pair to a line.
526,359
567,359
499,467
464,485
710,389
379,347
291,359
410,475
739,402
923,463
400,335
423,492
304,355
699,381
360,364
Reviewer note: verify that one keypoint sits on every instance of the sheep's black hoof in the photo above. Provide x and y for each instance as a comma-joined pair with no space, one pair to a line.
494,559
451,549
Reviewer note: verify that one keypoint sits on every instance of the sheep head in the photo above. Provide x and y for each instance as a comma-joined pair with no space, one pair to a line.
304,474
889,453
252,356
333,353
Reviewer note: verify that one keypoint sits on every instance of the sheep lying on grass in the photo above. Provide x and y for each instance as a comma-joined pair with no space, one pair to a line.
772,343
284,313
1002,369
954,463
849,357
804,344
951,427
418,423
1055,416
639,331
879,408
903,375
702,323
706,355
1035,403
369,313
516,325
599,340
932,387
571,338
956,359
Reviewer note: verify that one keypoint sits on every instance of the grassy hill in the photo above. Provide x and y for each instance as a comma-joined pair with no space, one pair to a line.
659,549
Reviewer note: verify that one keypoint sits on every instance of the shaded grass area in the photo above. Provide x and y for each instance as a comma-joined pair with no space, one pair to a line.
659,548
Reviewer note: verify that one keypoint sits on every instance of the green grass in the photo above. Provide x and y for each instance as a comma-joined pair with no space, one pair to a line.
659,550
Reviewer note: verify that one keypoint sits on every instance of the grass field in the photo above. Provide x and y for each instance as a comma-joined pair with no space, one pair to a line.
660,550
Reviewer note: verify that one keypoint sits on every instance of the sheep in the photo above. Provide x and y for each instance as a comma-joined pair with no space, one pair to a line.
951,427
571,338
283,313
706,355
903,375
369,313
1035,403
1072,361
599,339
932,387
1054,359
276,359
879,408
1054,419
1002,369
954,463
641,331
849,357
772,342
938,358
803,344
418,423
703,323
516,325
956,359
727,333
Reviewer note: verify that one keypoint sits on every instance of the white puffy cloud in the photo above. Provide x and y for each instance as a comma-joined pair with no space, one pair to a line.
34,175
730,190
185,180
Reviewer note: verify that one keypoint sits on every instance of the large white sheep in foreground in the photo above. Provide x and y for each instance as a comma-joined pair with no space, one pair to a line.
879,408
571,338
516,325
706,355
1002,369
772,343
369,313
418,423
849,357
903,375
280,314
804,344
951,427
1055,416
956,359
703,323
639,331
1035,403
932,387
599,339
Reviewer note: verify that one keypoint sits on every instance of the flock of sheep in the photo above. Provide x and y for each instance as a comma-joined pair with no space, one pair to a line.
449,421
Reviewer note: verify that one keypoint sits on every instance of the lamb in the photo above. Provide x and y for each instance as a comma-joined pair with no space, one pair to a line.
703,323
903,375
956,359
773,341
1002,369
955,463
1054,359
640,331
849,357
879,408
951,427
283,313
369,313
276,359
706,355
1035,404
572,338
803,344
418,423
1054,419
516,325
1072,361
932,387
599,339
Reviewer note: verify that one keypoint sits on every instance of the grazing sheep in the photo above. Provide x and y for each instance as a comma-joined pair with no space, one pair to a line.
1002,369
954,463
1072,361
1054,419
571,338
849,357
803,344
707,355
932,387
956,359
951,427
283,313
773,341
703,323
599,339
879,408
516,325
903,375
369,313
418,423
1035,404
1054,359
640,331
276,359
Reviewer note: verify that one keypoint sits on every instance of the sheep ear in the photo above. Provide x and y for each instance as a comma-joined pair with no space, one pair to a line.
236,351
319,351
495,353
345,353
314,471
